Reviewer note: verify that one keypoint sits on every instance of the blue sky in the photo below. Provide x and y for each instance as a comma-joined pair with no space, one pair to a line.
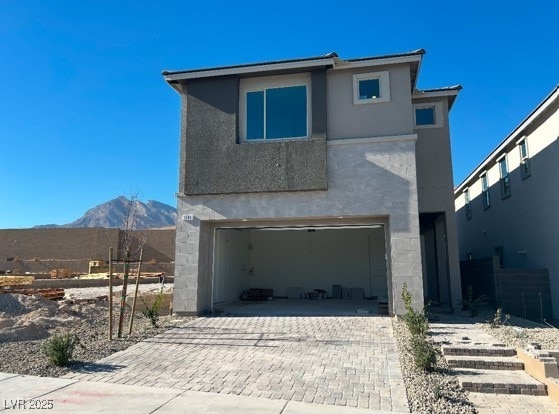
85,115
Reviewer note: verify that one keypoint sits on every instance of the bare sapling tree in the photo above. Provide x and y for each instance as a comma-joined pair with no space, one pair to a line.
132,244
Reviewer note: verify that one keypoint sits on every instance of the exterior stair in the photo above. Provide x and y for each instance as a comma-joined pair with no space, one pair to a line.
490,368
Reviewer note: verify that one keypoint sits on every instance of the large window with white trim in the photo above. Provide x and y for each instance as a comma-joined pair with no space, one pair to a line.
277,107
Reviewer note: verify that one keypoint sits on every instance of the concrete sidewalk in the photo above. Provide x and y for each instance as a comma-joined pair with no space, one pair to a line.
20,393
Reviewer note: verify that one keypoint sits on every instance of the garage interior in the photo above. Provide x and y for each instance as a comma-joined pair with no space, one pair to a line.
295,262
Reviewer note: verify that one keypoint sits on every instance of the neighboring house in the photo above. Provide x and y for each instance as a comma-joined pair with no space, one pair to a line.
509,205
314,172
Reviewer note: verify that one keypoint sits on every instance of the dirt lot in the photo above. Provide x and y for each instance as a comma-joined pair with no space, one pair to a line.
26,322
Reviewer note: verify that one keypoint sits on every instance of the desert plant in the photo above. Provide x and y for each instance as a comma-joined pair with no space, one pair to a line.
152,312
473,305
437,392
59,348
416,321
424,352
499,320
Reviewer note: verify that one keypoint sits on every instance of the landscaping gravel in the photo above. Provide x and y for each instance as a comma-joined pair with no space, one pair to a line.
429,392
26,322
520,332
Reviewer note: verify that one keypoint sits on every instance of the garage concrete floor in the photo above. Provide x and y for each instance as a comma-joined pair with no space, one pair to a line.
343,361
300,307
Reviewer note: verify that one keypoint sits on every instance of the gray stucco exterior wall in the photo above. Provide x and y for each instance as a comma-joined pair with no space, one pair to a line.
215,162
346,120
435,187
371,182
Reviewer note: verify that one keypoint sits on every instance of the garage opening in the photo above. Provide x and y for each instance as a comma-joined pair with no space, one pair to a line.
315,264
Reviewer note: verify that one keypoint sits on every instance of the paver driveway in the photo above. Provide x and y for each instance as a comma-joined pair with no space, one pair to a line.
349,361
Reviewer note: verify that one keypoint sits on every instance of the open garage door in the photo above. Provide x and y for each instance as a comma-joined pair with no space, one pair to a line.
316,257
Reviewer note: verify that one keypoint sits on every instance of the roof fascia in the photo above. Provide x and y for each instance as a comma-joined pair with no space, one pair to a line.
514,135
451,94
248,69
344,64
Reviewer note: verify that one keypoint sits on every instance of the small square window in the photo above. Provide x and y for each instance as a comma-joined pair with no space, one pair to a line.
425,116
428,115
371,88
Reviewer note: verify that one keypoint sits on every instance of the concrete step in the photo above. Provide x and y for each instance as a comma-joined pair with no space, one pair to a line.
495,350
493,363
499,382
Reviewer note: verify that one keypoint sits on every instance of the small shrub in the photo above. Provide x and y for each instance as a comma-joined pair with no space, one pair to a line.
437,392
416,321
498,320
473,305
152,312
424,353
59,348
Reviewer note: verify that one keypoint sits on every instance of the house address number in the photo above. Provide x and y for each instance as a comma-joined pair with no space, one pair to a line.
188,217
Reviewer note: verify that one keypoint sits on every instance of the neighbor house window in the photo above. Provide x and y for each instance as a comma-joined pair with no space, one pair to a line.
467,203
505,177
277,107
428,115
524,159
371,87
485,191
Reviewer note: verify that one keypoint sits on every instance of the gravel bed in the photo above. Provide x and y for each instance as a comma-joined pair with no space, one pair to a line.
520,332
429,392
39,319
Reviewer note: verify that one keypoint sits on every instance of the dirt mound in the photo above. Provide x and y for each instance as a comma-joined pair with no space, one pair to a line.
15,304
24,318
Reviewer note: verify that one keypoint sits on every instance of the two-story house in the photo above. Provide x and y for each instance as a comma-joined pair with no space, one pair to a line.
314,172
508,205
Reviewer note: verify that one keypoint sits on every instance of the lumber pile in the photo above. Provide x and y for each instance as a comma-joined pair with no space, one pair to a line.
15,284
60,274
15,280
47,293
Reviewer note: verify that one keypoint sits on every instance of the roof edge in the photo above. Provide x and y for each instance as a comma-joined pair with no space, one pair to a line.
331,59
532,116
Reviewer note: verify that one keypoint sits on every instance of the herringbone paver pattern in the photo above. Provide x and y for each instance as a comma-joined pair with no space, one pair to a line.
346,361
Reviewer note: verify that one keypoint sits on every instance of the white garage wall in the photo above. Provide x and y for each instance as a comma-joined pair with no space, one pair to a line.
231,264
319,259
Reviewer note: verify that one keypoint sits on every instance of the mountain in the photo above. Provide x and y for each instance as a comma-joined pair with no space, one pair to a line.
152,214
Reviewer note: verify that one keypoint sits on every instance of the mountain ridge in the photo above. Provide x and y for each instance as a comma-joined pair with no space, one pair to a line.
112,214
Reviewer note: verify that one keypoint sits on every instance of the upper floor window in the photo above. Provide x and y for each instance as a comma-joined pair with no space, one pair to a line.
467,203
524,159
428,115
371,87
276,107
505,177
485,191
